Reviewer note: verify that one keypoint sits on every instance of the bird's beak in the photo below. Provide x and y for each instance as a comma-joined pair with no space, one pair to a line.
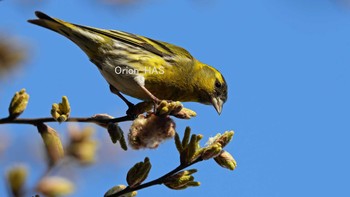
217,103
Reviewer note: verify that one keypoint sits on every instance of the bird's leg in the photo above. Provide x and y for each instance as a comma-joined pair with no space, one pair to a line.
130,105
155,100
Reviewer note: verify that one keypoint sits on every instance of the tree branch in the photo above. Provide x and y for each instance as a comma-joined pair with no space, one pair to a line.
36,121
157,181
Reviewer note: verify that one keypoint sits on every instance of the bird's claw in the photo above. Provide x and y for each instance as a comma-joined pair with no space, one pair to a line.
131,112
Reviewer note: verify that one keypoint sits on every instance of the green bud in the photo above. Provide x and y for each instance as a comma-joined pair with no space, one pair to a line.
189,148
181,180
114,132
87,133
61,111
198,139
176,186
223,139
102,117
87,152
198,153
211,151
192,147
18,104
52,143
175,107
186,137
123,142
226,160
193,184
117,134
16,178
162,108
81,145
65,106
185,179
138,173
117,189
183,173
178,143
55,186
55,111
185,113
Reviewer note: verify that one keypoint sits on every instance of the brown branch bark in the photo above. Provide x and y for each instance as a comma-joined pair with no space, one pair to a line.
157,181
36,121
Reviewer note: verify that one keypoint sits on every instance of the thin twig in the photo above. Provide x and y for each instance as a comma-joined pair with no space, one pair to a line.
157,181
36,121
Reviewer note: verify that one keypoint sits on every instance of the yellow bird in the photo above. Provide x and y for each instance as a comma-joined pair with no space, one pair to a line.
143,68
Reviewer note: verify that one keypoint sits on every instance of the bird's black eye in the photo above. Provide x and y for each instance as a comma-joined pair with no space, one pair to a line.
218,84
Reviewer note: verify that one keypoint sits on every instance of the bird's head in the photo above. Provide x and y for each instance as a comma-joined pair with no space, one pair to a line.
213,86
219,96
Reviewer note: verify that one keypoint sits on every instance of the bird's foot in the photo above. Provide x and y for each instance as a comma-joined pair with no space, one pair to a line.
131,112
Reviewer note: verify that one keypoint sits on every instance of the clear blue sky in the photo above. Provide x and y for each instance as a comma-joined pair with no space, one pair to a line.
286,63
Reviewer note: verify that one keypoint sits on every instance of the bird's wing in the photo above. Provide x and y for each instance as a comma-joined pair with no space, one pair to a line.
159,48
165,50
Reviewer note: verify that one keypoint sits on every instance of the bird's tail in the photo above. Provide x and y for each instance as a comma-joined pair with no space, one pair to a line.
81,35
54,24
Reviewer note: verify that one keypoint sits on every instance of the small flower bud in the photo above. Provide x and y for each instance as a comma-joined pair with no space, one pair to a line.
211,151
138,173
65,106
81,145
183,173
61,111
86,152
192,147
163,108
117,189
226,160
189,147
123,142
52,143
13,53
223,139
18,104
115,132
174,108
186,137
178,143
102,117
55,186
193,184
185,113
192,150
55,111
16,178
181,180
